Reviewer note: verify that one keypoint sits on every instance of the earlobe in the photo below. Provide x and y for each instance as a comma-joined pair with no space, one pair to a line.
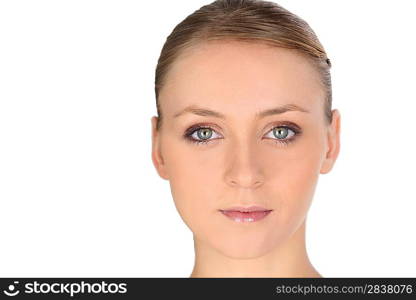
334,143
157,158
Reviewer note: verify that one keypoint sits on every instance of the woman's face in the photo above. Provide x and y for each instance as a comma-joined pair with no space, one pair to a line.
243,161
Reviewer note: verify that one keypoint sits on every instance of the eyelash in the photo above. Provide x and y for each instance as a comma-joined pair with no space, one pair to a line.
285,142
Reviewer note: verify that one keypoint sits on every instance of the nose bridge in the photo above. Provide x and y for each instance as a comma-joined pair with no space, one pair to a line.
244,164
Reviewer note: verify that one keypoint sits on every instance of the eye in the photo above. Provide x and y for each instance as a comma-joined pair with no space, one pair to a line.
284,134
199,134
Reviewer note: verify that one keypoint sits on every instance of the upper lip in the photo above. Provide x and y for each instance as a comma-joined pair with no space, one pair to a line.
246,209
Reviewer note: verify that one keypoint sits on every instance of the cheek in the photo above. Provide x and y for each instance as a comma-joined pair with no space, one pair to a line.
295,189
193,176
294,177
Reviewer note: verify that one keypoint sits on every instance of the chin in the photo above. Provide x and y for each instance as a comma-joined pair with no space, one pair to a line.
243,247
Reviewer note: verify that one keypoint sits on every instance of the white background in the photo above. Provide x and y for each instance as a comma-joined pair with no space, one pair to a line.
79,195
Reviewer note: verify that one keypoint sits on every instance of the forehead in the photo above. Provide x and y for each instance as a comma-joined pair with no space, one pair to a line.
230,75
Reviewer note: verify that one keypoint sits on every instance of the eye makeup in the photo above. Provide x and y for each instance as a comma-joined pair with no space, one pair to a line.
286,125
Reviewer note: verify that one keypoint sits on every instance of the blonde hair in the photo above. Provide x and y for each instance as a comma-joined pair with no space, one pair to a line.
249,21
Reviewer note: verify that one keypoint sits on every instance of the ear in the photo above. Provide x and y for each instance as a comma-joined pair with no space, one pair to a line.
333,143
157,158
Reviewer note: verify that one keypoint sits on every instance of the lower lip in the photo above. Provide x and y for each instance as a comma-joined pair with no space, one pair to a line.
245,217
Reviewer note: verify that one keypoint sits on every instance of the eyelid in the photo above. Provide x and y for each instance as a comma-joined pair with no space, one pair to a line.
288,124
195,127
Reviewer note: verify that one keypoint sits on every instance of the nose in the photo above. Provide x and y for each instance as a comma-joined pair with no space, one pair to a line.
244,168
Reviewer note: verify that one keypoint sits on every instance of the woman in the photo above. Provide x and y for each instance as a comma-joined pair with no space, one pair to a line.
244,128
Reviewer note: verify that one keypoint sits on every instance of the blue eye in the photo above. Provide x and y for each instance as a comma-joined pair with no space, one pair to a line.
281,133
201,134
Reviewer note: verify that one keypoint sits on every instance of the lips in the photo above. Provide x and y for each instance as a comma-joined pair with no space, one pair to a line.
246,214
246,209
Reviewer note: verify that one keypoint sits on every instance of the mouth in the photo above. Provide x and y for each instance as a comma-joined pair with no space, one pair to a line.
246,214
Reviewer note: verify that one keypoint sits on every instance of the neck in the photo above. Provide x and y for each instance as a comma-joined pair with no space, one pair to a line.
289,259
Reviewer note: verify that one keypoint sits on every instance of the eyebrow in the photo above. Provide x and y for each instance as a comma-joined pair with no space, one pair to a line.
200,111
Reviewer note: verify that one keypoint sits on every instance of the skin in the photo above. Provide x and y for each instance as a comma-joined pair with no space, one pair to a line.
243,164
